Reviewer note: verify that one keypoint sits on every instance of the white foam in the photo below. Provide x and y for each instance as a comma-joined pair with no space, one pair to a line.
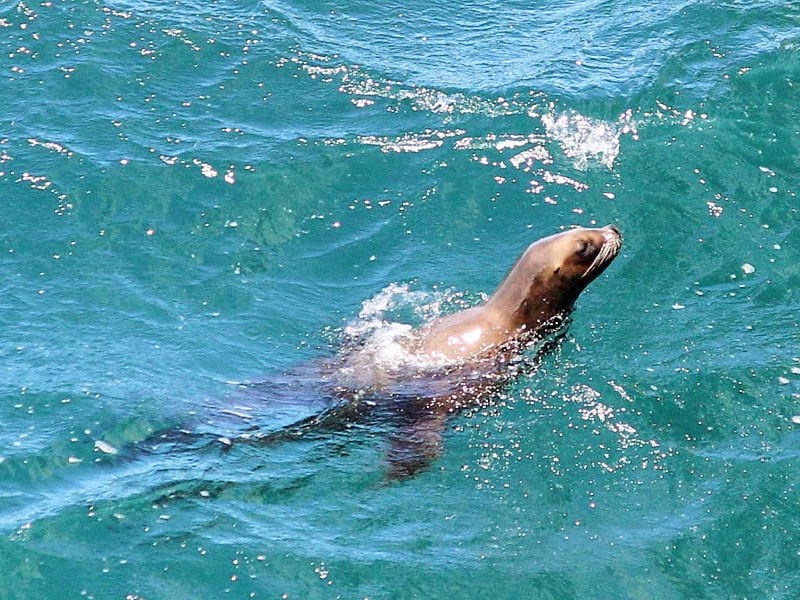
374,311
378,345
525,159
105,447
586,140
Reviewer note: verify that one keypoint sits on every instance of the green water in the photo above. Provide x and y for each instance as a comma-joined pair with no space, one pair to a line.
201,193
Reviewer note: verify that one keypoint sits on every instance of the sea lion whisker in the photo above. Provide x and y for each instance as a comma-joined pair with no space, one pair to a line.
608,251
599,259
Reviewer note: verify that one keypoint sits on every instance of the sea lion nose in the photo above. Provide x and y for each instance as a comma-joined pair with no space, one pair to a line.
615,230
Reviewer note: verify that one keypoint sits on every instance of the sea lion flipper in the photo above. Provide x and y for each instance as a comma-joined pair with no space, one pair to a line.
415,446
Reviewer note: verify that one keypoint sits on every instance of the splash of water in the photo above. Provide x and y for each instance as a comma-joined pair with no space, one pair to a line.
586,140
381,342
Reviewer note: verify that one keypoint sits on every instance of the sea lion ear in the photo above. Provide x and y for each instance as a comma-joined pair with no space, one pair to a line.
558,269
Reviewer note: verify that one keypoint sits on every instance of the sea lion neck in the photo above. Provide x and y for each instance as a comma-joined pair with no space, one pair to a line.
530,294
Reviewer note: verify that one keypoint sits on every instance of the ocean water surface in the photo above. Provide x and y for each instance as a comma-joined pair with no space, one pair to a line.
200,194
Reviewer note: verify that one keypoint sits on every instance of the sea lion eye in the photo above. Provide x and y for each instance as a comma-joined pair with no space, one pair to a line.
585,248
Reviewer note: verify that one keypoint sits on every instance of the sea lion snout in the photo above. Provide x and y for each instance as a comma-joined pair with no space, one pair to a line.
605,250
612,232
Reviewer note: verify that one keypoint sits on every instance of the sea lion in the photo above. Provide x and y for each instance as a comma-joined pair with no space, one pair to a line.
458,360
446,365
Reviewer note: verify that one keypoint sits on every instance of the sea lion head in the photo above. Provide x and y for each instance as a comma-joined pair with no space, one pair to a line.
552,272
579,255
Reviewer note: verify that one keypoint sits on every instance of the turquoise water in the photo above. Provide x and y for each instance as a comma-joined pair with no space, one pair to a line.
197,194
